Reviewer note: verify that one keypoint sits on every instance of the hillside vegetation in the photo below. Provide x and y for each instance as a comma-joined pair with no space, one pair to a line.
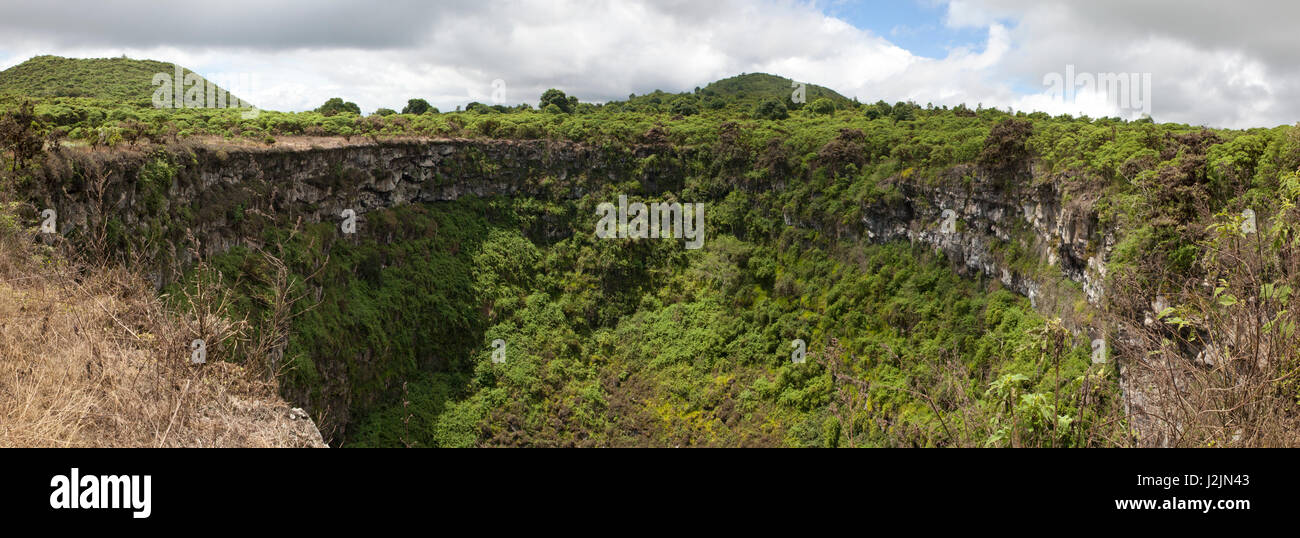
114,80
757,87
615,343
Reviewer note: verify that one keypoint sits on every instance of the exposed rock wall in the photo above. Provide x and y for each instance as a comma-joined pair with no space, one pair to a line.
216,193
213,187
982,225
1001,232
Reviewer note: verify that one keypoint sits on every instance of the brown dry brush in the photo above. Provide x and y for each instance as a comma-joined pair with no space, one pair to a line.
91,356
282,297
1214,361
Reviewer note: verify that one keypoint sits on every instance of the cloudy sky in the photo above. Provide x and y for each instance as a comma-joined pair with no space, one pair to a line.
1206,63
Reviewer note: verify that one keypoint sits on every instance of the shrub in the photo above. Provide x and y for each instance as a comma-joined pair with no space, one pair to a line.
771,109
822,106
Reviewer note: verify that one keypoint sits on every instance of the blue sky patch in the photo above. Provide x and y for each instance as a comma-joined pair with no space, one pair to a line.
915,25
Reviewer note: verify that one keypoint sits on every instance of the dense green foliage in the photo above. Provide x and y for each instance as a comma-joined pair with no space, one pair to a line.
417,107
646,343
752,88
619,343
119,81
336,105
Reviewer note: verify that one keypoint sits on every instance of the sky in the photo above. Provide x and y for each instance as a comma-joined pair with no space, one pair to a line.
1189,61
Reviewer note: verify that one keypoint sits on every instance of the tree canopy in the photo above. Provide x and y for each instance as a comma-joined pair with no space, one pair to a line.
417,107
336,105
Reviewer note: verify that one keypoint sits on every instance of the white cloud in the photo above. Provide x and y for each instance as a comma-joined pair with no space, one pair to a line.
1208,65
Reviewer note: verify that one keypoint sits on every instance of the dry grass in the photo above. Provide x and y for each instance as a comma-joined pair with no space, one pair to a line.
90,357
1216,361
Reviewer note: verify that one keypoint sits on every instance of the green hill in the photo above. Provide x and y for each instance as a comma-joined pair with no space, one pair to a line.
742,93
762,86
120,80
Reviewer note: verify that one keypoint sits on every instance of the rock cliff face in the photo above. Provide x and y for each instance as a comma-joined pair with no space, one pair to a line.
214,192
1007,233
999,232
991,229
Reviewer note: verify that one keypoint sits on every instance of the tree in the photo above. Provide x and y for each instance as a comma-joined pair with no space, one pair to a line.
54,138
822,106
385,112
336,105
556,97
18,134
418,106
1005,150
685,107
905,111
133,131
879,110
480,108
771,109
